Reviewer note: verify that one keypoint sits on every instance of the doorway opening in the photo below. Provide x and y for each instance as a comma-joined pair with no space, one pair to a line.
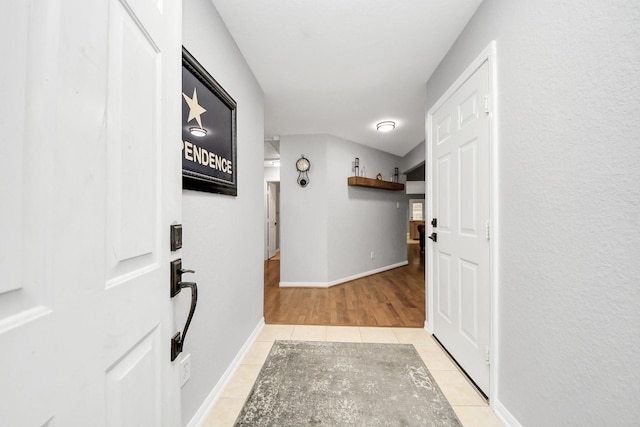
273,220
393,298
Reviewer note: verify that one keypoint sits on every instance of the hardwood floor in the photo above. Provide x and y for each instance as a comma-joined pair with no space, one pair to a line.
392,298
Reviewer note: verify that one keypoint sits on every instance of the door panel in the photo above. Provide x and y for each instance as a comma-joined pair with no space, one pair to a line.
132,400
460,156
26,305
468,109
468,188
132,134
443,282
444,193
443,129
469,300
25,163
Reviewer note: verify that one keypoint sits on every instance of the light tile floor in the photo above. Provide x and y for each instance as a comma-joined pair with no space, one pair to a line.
471,409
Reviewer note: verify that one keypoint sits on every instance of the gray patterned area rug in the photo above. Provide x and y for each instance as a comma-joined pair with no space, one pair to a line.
345,384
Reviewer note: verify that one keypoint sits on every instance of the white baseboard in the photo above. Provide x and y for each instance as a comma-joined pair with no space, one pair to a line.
201,414
304,284
504,415
498,408
341,280
427,327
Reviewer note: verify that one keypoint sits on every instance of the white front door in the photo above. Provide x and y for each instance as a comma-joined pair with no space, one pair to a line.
272,218
90,182
460,259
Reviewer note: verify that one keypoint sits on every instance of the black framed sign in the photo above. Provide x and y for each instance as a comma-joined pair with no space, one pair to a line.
208,132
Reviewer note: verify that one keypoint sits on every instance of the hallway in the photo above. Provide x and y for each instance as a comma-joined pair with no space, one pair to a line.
394,298
471,409
388,307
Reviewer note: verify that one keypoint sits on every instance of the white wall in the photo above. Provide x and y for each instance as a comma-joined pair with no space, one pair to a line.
361,220
329,228
414,158
569,234
272,174
415,187
223,235
303,211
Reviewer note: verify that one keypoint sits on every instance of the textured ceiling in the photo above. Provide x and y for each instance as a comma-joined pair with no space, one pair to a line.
341,66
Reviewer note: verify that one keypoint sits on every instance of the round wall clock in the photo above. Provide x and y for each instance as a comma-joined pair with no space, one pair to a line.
303,165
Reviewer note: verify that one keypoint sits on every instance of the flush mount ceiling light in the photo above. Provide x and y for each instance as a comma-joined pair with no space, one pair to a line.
386,126
196,131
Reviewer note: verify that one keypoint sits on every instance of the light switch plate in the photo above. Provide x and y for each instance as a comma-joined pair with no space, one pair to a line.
185,369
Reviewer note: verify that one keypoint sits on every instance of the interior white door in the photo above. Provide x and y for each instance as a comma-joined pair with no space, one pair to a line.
272,218
461,203
90,181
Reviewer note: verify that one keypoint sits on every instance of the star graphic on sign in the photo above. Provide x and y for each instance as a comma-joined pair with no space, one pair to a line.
195,109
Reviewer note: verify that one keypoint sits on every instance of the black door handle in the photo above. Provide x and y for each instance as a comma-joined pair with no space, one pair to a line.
434,237
176,276
177,341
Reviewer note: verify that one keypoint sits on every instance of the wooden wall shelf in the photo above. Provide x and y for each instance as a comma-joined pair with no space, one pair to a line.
360,181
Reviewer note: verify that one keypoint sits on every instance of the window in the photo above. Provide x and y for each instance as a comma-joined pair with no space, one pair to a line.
417,211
